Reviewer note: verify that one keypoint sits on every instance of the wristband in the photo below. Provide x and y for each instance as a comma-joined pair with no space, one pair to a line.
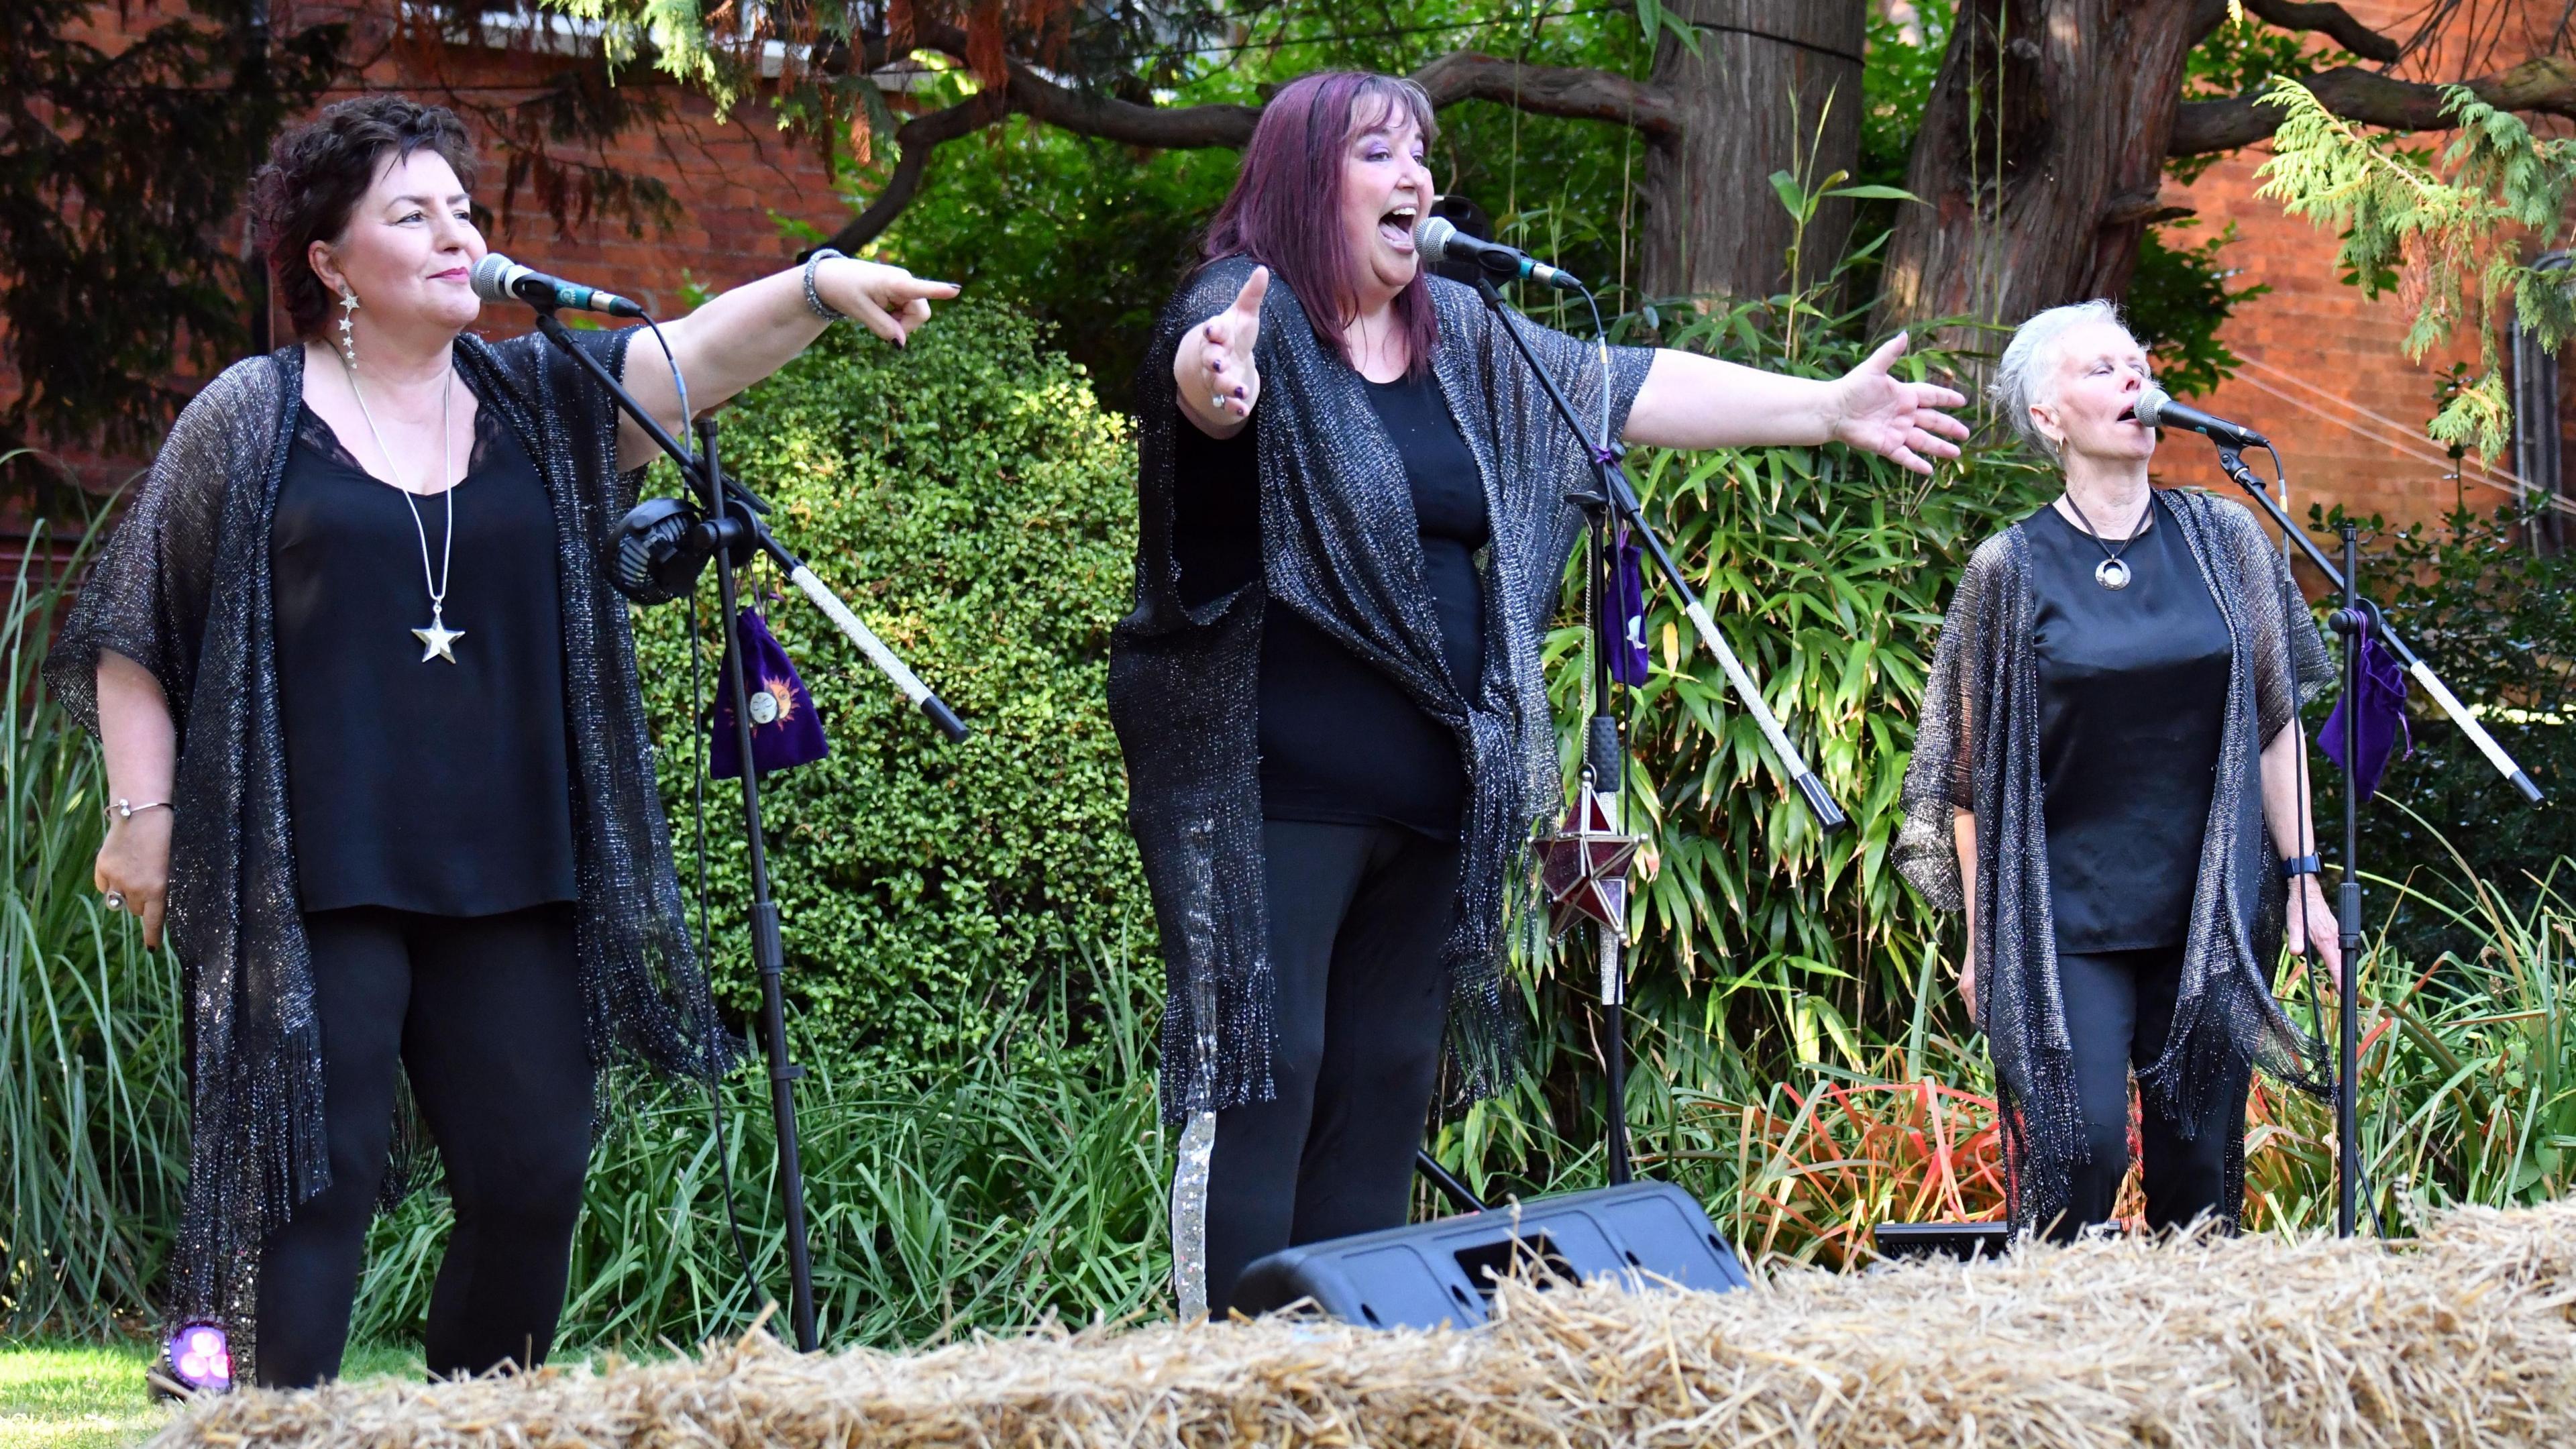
2299,865
814,299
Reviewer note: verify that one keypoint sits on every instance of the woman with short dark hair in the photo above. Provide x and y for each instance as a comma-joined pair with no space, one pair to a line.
374,742
1354,526
2109,735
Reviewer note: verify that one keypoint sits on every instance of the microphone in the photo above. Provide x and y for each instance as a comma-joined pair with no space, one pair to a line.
1455,254
2157,409
499,279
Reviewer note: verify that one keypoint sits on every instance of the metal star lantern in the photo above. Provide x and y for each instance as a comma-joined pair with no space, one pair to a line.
1584,866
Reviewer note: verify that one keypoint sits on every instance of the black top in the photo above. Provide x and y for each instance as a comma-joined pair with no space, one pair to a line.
1340,741
424,786
2132,696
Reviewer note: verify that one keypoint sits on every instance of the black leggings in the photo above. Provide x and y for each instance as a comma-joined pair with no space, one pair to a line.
2119,1008
1357,916
485,1015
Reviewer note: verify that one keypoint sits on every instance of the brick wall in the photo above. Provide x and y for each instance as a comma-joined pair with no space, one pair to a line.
2325,376
727,176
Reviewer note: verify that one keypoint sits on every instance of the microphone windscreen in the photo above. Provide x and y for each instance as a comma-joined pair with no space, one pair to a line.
492,277
1431,237
2152,401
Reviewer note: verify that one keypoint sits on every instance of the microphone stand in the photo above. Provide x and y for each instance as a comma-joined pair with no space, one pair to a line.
2358,621
1603,756
732,526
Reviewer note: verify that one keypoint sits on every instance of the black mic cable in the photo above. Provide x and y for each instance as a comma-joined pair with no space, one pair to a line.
2291,599
711,1026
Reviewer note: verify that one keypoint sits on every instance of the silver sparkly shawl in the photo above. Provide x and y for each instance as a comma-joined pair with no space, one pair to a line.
1976,748
183,588
1340,547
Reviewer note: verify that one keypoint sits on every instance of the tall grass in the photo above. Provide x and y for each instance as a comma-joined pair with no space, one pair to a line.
2468,1065
1024,1182
2467,1095
92,1088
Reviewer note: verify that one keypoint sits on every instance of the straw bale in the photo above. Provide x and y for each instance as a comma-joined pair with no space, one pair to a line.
2466,1337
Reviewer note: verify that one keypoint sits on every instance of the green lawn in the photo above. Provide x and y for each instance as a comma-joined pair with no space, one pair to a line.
56,1395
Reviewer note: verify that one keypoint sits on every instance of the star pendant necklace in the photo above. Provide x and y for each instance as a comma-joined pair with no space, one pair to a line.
437,640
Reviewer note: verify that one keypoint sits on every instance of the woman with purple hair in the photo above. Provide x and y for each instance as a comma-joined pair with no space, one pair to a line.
1354,526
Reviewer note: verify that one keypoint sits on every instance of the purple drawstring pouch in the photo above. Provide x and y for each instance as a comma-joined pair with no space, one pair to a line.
784,730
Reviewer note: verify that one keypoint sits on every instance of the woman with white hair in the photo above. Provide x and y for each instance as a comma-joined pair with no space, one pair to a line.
2109,778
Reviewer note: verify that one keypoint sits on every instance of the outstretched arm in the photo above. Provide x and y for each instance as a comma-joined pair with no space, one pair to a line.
1690,401
746,334
1212,368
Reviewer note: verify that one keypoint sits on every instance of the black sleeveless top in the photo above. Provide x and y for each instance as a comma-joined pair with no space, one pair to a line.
2132,697
421,785
1341,742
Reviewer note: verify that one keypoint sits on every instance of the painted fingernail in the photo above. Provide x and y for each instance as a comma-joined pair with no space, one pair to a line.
1238,392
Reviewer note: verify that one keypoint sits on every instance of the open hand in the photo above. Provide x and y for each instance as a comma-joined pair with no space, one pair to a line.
886,300
2312,922
1897,420
1213,366
135,863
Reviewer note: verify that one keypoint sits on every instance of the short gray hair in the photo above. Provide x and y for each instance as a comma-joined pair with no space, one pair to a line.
2029,365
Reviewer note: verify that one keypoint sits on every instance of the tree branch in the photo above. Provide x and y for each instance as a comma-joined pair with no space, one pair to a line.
1596,95
2332,21
1551,90
2544,83
914,141
1162,127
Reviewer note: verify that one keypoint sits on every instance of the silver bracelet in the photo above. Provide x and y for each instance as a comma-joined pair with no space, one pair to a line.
814,299
125,809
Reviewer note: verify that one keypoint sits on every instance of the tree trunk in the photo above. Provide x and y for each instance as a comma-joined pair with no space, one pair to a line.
1749,104
2041,154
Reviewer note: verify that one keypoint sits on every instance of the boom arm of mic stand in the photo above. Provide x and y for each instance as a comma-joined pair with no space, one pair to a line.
2233,462
694,468
1617,495
869,644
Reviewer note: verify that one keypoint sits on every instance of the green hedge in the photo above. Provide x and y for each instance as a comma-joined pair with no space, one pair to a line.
973,502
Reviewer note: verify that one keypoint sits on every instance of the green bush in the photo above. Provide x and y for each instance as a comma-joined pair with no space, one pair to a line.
974,504
2491,615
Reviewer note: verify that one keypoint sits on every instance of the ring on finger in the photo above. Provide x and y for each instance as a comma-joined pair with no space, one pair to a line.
115,900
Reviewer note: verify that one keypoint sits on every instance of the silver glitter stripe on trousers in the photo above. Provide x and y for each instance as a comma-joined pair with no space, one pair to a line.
1189,1216
1198,1140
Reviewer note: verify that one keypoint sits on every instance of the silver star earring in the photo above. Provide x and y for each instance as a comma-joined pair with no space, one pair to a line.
348,322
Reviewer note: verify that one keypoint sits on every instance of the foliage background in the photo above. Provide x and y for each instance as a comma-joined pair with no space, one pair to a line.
970,498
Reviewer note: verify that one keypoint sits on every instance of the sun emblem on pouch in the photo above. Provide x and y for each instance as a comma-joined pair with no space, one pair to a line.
773,703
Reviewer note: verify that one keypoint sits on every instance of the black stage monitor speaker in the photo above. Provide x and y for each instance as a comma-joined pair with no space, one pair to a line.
1443,1272
1957,1240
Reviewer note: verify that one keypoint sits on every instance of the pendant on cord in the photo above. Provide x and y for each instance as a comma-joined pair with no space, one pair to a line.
437,637
2110,573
